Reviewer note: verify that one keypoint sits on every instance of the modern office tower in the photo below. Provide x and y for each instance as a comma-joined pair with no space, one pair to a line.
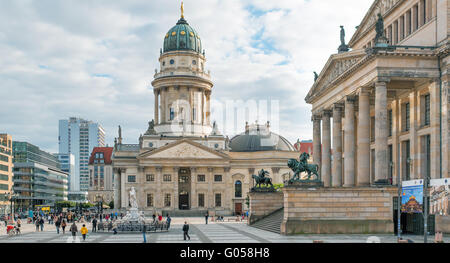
79,137
101,175
6,172
38,179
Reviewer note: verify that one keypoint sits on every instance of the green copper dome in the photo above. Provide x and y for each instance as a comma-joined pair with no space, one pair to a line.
182,37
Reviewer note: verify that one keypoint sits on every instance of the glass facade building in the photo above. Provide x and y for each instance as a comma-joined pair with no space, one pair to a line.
38,178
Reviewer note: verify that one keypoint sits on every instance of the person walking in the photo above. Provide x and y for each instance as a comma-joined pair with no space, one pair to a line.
186,231
114,227
63,226
57,225
37,224
18,224
154,217
41,223
168,220
74,230
94,225
84,232
144,229
206,218
159,218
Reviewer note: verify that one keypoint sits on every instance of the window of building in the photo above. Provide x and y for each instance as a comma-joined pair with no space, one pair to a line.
167,178
201,200
149,200
132,178
372,129
238,189
427,107
194,113
183,179
407,117
218,178
150,177
390,122
172,114
167,200
201,178
218,200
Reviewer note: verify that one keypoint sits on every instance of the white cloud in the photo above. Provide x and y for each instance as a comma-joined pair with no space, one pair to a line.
96,59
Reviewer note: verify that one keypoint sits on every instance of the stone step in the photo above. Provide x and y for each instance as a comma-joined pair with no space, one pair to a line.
271,223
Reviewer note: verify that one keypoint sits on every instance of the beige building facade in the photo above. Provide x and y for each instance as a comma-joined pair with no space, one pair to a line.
384,111
183,164
101,176
6,171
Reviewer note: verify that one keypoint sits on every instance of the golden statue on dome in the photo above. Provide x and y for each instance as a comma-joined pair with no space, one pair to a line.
182,9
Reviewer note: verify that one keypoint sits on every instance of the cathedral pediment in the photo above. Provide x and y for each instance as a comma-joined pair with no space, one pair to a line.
184,149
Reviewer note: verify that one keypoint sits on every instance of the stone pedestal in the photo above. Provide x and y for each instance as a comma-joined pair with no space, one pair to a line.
358,210
263,204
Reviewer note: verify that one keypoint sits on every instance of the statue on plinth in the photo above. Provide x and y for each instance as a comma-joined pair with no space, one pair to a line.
261,179
303,166
343,47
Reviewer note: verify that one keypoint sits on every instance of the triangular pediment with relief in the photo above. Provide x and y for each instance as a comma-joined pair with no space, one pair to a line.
337,66
184,149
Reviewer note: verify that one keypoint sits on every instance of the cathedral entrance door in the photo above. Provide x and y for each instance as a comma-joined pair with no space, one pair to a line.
238,208
184,188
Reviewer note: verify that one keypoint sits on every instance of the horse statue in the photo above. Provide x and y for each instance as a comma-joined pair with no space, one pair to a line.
303,166
262,179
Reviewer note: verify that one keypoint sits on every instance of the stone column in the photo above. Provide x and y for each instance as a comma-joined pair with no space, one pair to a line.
159,199
208,107
193,195
156,107
163,105
326,149
123,194
381,134
349,147
175,204
210,196
435,140
363,149
317,141
337,146
117,201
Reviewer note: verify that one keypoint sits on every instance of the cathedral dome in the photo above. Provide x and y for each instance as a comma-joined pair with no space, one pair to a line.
182,37
258,138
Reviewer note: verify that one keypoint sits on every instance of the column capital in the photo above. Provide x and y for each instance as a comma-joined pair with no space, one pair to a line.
176,169
316,117
381,81
350,99
327,113
339,106
159,168
251,170
193,169
226,169
275,170
364,91
210,169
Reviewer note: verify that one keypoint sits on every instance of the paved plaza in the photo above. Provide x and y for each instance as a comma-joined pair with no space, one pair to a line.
200,233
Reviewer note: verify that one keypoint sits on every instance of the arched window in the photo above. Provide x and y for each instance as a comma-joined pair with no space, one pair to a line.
238,189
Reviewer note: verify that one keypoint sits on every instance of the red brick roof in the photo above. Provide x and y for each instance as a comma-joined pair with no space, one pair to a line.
107,154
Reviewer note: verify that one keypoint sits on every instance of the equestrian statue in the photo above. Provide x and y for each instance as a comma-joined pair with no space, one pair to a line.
261,179
303,166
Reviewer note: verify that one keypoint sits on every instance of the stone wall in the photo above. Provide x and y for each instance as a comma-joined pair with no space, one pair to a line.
264,204
359,210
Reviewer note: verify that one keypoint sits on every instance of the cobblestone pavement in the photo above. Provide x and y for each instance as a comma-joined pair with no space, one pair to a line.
200,233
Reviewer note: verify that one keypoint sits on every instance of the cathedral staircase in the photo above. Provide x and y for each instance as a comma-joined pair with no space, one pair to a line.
272,222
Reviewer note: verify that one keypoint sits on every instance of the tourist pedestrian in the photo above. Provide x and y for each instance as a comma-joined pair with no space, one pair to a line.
18,224
74,230
159,218
168,220
58,225
84,232
186,231
37,225
144,229
114,227
63,226
94,225
206,218
154,218
41,223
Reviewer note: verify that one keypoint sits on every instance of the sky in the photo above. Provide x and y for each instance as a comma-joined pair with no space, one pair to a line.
96,59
